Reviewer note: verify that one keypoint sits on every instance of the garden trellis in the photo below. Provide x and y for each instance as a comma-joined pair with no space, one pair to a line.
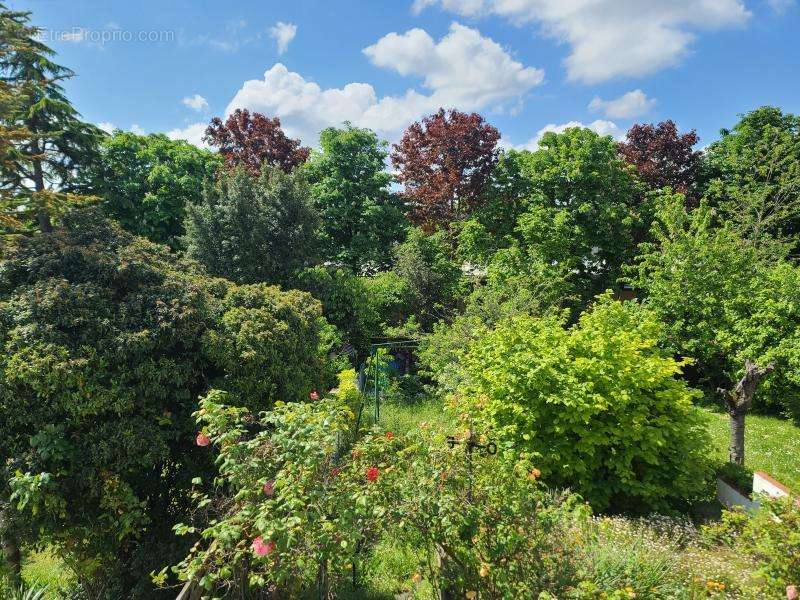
376,372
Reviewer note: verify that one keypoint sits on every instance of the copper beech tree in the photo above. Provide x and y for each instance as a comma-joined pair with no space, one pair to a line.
251,139
444,162
662,157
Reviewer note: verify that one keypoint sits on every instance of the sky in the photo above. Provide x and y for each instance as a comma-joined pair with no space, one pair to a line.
527,65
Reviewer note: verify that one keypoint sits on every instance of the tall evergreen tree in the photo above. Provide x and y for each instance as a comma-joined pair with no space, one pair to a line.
52,139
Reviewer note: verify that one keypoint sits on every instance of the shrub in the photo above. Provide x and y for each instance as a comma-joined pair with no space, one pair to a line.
107,342
599,403
297,508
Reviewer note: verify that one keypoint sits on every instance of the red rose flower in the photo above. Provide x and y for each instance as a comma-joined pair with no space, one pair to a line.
314,395
202,439
372,473
269,488
389,435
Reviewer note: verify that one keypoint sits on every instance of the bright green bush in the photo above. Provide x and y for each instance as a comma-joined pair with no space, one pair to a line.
599,403
107,341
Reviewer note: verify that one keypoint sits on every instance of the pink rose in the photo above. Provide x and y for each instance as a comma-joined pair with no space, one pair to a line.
269,488
314,395
791,592
202,439
260,548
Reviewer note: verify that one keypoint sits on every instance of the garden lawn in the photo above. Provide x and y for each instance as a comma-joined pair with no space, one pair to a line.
771,445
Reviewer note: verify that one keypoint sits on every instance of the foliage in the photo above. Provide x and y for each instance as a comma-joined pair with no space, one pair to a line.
147,181
433,279
583,210
599,402
107,342
756,176
252,140
252,231
52,140
347,303
664,158
771,536
296,517
317,509
722,302
444,163
362,220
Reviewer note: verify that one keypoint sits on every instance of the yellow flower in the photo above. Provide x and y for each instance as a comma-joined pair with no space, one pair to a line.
416,577
484,571
471,595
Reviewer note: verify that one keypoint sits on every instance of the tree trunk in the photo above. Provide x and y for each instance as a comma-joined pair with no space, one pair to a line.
736,451
10,546
739,401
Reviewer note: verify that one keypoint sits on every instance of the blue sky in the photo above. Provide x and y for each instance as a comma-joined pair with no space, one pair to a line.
526,65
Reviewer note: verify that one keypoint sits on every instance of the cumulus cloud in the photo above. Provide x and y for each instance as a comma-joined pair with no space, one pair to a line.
283,34
600,126
463,70
612,38
107,126
627,106
196,103
191,133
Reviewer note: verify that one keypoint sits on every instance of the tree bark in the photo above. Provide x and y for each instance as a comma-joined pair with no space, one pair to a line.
9,544
736,450
738,403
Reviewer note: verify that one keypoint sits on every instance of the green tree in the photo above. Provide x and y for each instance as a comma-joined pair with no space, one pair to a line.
362,220
145,182
583,211
599,404
107,341
434,282
254,230
56,141
723,302
756,176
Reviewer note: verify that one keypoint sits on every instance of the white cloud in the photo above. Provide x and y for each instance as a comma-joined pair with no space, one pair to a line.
781,6
191,133
612,38
599,126
196,102
627,106
463,70
107,126
283,34
135,128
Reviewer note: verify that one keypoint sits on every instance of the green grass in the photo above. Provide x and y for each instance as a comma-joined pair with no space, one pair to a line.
402,418
771,445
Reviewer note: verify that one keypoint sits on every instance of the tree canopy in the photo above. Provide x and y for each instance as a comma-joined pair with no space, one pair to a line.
362,220
145,182
249,140
444,162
